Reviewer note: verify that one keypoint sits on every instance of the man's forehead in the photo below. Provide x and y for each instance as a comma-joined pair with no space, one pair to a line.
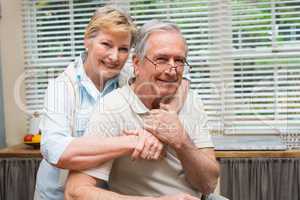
166,43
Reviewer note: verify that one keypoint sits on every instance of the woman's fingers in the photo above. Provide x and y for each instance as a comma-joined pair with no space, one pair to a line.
138,148
130,132
146,150
148,146
158,151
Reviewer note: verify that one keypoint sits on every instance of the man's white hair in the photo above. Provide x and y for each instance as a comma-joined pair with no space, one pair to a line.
150,27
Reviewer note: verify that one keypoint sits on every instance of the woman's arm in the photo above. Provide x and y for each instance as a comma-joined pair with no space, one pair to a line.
90,151
64,151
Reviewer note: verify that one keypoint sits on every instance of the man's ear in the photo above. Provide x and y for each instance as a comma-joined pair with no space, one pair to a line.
136,63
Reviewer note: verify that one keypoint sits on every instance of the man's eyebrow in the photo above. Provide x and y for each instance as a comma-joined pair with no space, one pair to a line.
168,55
161,55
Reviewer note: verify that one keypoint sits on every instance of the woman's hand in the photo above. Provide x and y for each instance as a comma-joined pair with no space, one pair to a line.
148,147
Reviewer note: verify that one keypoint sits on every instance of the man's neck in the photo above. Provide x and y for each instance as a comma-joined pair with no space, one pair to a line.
147,95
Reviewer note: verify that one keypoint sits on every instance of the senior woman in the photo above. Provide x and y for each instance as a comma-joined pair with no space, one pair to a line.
70,99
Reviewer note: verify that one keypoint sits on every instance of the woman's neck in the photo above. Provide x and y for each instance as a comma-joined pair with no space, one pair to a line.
96,77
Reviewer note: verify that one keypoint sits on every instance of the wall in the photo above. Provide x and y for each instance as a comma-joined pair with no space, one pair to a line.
12,67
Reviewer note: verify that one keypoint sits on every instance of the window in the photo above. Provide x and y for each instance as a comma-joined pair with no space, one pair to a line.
245,54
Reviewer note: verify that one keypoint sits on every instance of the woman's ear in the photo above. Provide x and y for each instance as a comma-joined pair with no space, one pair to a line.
136,63
86,43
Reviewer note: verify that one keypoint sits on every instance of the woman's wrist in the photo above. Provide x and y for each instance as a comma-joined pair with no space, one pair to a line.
130,142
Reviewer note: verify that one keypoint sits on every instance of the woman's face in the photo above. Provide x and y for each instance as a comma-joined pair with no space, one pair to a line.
107,53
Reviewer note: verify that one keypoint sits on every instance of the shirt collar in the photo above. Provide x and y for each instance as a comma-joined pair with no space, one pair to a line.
133,100
85,82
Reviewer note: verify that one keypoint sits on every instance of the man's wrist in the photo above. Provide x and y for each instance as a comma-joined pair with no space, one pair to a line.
183,142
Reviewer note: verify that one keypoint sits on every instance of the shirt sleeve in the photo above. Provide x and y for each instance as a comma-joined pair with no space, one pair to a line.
195,121
55,121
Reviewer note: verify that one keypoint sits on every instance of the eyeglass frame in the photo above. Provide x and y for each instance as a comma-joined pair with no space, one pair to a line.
175,67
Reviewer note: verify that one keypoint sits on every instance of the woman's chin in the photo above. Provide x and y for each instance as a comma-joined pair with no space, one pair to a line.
110,73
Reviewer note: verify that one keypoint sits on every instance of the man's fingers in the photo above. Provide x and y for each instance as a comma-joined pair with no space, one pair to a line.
167,107
155,111
149,126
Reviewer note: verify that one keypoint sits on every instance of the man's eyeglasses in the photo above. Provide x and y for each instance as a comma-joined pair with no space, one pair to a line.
162,64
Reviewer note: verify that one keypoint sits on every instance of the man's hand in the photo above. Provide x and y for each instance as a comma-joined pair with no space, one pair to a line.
166,126
148,147
181,196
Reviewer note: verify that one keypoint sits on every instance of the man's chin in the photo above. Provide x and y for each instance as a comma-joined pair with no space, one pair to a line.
168,91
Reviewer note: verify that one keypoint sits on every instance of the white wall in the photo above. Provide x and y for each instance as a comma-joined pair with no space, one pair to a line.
12,60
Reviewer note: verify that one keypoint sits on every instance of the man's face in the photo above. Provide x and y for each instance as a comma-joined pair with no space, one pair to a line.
162,47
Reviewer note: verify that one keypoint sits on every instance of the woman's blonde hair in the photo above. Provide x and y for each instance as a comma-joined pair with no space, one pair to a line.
111,19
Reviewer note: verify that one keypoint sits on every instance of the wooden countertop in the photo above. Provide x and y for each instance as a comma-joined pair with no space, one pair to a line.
21,151
25,151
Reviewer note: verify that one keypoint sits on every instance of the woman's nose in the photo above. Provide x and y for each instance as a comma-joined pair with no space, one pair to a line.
113,54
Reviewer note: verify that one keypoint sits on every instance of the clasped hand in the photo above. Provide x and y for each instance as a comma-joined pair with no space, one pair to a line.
161,126
166,126
147,147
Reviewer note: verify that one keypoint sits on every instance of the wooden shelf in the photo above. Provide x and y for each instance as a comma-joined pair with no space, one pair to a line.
258,154
25,151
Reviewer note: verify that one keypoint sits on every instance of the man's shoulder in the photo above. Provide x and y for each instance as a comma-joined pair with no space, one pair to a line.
192,104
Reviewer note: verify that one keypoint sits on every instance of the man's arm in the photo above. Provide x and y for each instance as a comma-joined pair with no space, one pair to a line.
200,165
81,186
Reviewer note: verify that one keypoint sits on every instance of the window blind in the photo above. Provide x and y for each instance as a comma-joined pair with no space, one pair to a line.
263,74
53,37
244,54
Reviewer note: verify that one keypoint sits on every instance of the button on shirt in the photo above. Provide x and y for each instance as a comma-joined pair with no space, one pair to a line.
58,123
122,109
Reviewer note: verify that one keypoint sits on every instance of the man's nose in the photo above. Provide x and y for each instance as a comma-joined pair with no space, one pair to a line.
172,71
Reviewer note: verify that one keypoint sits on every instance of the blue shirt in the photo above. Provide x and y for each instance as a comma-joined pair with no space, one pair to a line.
59,126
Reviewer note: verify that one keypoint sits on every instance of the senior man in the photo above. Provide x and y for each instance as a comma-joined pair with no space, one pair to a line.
189,167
